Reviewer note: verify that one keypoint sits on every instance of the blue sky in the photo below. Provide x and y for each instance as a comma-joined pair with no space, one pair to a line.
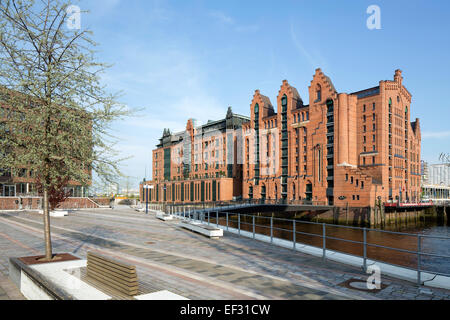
193,59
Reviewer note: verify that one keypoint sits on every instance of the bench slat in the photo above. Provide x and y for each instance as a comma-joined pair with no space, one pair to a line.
113,273
111,264
130,291
123,279
111,260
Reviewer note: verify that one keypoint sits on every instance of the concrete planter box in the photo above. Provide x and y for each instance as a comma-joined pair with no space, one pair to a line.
163,216
209,231
56,213
62,281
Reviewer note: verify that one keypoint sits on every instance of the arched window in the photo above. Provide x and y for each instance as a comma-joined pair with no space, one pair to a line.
318,93
284,103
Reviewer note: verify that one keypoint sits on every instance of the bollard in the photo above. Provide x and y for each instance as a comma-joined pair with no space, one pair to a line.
217,218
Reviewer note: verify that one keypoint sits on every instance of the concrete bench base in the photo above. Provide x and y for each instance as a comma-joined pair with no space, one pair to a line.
160,295
163,216
62,281
56,213
209,231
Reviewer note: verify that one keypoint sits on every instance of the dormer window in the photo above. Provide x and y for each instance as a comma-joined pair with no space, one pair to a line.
284,101
318,93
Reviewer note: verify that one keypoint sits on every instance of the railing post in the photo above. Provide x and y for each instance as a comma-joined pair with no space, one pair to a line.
419,249
294,235
324,236
365,249
209,218
271,229
239,224
254,227
227,220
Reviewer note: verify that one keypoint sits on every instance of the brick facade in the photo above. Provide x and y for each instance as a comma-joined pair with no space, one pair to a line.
340,149
200,164
35,203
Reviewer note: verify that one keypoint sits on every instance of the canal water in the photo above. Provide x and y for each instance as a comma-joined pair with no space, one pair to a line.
349,240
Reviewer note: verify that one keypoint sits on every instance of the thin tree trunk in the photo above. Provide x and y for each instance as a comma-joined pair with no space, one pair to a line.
48,240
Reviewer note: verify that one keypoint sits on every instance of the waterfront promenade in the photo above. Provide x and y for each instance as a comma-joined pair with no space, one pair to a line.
188,264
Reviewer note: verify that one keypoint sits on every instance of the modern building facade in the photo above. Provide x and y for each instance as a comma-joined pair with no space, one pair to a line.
436,182
21,182
436,174
338,149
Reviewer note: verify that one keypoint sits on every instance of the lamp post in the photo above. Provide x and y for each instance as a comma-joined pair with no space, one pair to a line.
146,187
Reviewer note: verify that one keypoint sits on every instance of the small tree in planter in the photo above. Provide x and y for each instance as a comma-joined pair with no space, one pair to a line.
58,113
57,193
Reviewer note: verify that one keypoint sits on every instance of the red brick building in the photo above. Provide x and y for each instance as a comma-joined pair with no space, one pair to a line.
341,148
200,164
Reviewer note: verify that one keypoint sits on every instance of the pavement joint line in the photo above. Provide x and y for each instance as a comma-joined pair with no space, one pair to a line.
24,246
326,274
185,273
163,267
165,252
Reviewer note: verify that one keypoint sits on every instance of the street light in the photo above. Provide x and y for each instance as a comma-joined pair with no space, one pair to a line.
146,187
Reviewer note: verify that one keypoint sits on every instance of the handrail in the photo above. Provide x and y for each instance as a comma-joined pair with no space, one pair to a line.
218,218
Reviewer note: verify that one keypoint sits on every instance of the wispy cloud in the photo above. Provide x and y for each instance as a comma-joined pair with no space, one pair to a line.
221,17
436,135
171,84
300,47
228,21
313,56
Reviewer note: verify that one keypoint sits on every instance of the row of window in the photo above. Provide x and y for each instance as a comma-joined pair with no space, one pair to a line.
356,181
373,107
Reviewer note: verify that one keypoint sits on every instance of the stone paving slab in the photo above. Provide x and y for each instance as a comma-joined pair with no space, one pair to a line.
8,290
191,265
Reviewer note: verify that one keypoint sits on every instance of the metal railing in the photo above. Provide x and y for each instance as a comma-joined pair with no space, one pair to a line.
239,222
237,203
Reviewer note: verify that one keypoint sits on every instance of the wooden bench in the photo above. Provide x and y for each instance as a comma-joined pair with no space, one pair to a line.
209,231
113,273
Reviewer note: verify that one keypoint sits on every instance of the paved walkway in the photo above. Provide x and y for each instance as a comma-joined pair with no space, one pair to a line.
174,259
8,290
